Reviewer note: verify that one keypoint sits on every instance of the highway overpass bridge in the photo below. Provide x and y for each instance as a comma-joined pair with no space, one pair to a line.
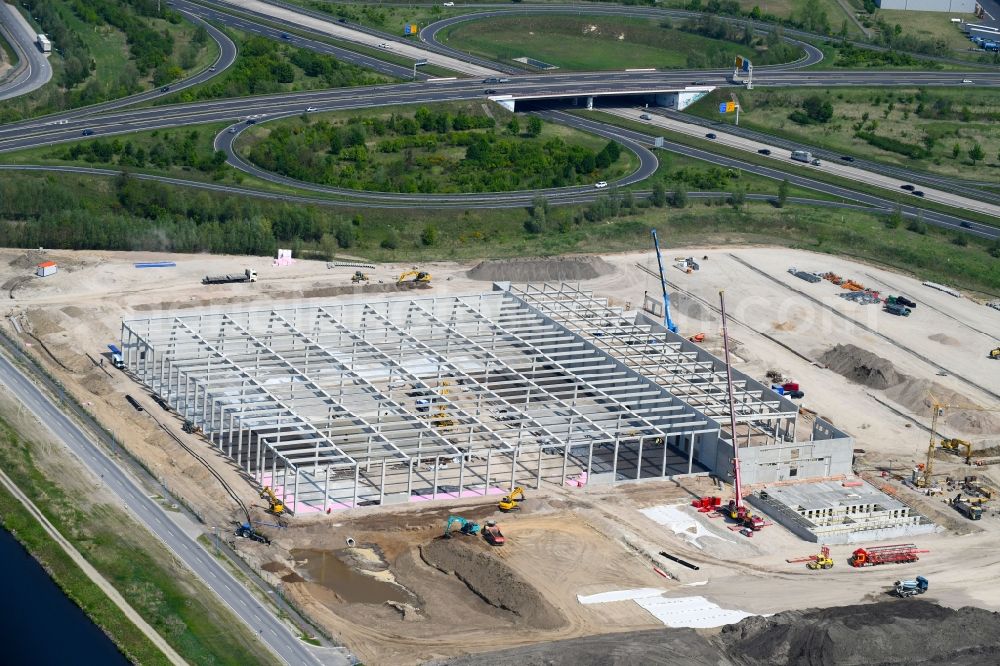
669,96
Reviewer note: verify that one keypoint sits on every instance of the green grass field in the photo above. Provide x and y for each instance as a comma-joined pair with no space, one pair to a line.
937,117
592,43
931,25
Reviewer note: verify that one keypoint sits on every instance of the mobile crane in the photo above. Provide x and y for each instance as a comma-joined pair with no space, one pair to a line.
510,502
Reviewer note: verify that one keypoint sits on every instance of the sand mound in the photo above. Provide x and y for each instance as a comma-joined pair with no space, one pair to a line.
29,259
918,395
945,340
554,269
492,580
689,307
862,366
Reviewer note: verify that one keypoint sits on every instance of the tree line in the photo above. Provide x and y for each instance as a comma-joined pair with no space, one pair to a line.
167,150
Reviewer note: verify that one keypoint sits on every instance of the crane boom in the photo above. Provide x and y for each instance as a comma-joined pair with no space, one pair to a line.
737,485
667,321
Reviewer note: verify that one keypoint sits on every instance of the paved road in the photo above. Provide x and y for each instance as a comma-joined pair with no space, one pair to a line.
836,167
146,511
35,69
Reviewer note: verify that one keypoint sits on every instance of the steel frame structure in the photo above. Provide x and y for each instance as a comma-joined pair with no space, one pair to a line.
346,404
680,366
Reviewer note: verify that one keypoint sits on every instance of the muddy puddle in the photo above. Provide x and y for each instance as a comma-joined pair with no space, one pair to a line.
323,567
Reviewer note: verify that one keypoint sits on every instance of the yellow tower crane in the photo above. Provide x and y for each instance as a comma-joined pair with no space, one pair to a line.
937,409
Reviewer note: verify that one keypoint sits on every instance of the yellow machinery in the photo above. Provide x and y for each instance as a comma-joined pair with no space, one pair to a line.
937,409
359,277
822,561
509,502
275,505
954,445
441,418
415,279
995,353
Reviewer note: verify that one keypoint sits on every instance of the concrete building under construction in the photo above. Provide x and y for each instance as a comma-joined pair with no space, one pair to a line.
431,397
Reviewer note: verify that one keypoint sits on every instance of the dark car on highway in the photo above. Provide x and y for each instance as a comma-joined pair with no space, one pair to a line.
489,91
164,88
88,132
847,158
710,135
764,151
918,193
908,188
965,225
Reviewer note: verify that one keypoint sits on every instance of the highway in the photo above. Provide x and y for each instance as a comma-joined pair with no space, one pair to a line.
35,70
147,512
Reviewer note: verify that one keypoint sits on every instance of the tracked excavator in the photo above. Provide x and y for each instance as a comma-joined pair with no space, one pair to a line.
415,279
510,502
275,505
465,526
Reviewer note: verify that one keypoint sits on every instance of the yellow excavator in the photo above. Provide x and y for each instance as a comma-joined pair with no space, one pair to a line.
415,279
275,505
510,502
995,353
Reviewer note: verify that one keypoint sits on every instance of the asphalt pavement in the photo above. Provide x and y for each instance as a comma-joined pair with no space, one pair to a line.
241,601
35,70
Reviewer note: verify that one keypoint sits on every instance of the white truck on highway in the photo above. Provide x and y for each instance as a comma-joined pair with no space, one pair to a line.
44,45
802,156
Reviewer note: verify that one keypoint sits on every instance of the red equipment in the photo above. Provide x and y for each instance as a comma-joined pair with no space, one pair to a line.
897,554
790,386
706,504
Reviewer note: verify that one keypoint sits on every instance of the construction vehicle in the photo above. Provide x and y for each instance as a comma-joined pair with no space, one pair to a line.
971,508
995,353
937,409
910,588
116,357
510,502
742,514
492,534
248,275
275,505
953,445
876,555
901,300
897,309
667,321
190,428
246,531
464,526
415,279
359,277
822,561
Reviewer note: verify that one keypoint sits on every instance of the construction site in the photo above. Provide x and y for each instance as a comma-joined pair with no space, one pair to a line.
436,461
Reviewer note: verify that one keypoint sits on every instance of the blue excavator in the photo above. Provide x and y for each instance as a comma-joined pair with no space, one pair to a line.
464,526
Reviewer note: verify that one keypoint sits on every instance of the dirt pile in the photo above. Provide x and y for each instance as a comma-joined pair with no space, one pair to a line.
862,366
554,269
29,259
690,307
919,394
889,633
945,339
492,580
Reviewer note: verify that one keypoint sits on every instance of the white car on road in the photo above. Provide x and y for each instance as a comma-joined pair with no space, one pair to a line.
601,184
384,45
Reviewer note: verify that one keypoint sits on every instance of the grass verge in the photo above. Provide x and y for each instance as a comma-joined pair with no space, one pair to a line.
168,597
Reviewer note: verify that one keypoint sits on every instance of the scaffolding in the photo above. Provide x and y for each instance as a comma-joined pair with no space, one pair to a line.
347,404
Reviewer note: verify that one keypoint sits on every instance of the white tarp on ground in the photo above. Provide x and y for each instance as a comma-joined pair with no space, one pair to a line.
679,522
696,612
619,595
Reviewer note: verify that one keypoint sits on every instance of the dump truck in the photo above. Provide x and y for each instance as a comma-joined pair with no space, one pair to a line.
248,275
910,588
969,509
